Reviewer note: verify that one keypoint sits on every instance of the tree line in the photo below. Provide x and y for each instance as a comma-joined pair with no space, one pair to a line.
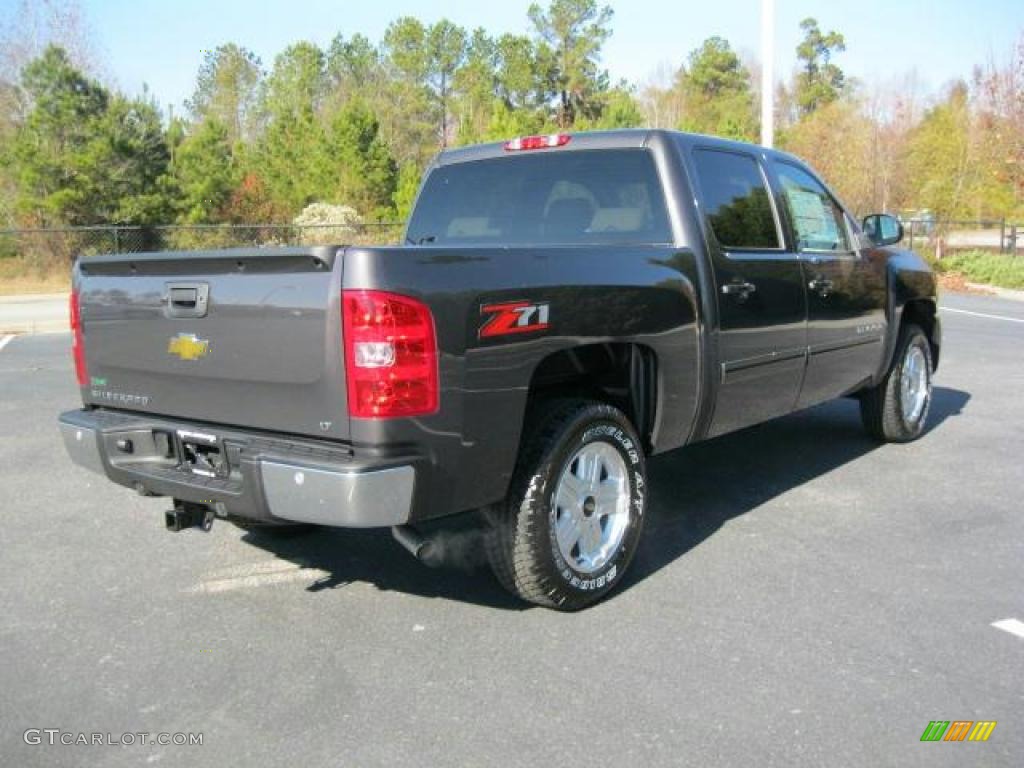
355,123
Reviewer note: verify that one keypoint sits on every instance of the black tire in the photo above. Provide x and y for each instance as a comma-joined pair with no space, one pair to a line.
881,407
522,548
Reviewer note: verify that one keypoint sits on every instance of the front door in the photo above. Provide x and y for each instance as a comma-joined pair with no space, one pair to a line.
846,319
759,284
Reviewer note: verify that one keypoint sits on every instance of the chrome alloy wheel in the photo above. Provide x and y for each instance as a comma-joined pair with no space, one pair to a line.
590,509
914,383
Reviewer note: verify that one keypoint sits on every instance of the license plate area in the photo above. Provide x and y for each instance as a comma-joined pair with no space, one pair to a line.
203,454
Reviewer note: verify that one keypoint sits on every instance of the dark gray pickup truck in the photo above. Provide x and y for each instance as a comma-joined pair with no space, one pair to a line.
564,307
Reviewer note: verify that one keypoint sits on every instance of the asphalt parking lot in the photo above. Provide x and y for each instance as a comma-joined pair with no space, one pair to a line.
802,597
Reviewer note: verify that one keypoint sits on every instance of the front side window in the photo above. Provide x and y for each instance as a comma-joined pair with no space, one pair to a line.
544,198
739,208
817,219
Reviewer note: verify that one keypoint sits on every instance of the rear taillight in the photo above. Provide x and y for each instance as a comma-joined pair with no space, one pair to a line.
390,355
537,142
77,340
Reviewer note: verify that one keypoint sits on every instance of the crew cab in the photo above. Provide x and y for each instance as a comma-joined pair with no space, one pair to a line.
564,307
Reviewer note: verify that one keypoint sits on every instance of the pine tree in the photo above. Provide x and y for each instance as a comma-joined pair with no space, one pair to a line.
205,173
366,172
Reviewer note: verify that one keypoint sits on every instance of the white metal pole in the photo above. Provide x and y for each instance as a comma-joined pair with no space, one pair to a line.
767,72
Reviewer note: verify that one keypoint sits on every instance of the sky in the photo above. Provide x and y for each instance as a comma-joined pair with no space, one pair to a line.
161,43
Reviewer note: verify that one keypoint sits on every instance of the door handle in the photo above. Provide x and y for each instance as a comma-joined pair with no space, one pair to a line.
739,288
184,297
187,299
821,285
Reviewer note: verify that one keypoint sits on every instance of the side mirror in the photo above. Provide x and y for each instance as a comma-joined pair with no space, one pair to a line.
883,229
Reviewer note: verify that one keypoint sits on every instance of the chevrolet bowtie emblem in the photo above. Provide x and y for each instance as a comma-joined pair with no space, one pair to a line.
188,346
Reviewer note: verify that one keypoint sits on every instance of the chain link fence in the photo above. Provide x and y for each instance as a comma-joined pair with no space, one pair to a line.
48,250
42,249
942,237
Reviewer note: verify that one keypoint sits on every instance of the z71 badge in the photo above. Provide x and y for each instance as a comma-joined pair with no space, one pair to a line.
514,317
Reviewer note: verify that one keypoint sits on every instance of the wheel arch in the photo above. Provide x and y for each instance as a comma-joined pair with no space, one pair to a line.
912,297
621,374
924,314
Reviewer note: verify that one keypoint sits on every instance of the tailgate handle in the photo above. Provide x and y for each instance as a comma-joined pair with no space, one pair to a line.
187,299
183,297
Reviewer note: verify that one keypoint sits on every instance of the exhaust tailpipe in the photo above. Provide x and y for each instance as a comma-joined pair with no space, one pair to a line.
412,540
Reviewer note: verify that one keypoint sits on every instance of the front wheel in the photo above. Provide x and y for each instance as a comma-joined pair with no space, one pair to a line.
896,410
572,520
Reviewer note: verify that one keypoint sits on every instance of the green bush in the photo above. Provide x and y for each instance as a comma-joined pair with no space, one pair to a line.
984,267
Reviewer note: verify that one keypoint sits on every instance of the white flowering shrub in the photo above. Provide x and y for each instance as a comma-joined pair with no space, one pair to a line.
325,224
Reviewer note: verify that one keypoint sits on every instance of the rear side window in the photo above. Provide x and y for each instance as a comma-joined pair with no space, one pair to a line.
739,209
544,198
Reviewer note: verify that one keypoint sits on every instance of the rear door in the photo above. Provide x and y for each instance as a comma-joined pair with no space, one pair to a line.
845,288
762,334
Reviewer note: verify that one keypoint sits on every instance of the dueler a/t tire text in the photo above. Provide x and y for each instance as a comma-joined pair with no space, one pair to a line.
530,552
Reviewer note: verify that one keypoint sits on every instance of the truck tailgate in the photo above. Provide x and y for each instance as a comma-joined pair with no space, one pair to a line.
247,337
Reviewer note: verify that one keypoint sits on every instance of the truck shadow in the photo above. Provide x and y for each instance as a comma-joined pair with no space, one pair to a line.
372,556
698,489
694,491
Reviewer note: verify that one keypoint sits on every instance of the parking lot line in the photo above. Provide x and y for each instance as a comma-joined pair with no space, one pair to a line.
250,575
4,341
982,314
1013,626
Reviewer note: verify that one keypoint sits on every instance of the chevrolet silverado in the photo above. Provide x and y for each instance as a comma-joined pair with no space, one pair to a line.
564,307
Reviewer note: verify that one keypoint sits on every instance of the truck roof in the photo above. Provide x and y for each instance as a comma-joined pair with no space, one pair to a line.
623,138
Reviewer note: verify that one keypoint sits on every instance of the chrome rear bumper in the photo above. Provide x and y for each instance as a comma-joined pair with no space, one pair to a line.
273,479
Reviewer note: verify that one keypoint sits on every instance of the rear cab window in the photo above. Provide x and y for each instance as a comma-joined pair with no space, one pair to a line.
586,197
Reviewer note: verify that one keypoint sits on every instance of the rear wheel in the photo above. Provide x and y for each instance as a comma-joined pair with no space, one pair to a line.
572,520
896,409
